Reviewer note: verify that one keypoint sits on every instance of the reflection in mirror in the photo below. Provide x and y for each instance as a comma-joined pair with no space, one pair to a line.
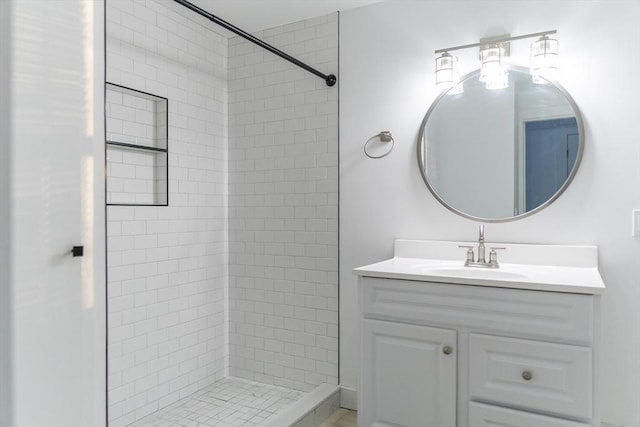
497,155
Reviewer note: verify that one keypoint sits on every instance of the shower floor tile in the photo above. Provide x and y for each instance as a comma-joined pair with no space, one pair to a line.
230,402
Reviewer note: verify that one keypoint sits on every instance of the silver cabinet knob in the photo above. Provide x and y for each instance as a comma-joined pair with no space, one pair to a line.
447,350
526,375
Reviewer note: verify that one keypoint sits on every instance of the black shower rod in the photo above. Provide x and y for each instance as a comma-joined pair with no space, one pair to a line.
329,79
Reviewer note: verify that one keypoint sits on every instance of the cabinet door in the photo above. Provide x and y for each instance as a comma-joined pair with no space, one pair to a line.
408,376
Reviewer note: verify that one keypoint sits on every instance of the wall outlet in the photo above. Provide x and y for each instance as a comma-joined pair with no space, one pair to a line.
635,223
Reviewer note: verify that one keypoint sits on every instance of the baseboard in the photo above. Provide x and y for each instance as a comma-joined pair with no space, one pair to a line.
349,398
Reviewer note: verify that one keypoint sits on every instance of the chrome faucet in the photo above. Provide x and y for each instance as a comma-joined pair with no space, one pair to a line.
481,258
481,261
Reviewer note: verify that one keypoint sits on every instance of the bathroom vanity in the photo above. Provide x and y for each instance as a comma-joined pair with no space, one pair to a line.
445,345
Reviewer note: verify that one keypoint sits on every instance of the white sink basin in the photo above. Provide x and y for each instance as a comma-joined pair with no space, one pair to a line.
540,267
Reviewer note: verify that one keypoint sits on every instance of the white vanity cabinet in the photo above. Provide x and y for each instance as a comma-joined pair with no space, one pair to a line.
409,376
458,355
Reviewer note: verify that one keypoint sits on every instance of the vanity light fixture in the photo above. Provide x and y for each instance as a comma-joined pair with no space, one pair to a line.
544,61
445,68
447,73
492,70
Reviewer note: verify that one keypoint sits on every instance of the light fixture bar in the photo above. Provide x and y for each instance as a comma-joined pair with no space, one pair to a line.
496,41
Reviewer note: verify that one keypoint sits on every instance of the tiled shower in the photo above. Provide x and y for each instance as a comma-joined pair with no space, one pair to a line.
283,208
237,276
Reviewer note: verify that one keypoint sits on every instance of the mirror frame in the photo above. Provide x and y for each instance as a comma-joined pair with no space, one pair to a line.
422,150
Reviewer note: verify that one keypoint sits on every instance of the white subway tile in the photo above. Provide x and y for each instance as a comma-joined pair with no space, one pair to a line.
257,250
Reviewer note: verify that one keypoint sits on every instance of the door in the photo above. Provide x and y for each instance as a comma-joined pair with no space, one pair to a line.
408,376
551,149
57,202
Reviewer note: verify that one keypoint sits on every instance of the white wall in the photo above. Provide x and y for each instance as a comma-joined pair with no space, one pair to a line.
167,264
386,57
52,200
283,207
6,346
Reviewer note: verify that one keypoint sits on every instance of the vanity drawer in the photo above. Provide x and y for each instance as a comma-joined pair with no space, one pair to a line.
481,415
547,377
552,316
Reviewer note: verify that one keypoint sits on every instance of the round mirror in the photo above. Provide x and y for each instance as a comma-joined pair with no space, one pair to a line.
502,154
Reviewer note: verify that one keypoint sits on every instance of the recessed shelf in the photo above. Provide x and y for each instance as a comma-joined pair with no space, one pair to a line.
136,147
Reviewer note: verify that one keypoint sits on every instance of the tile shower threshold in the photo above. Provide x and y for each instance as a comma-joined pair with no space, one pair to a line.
229,402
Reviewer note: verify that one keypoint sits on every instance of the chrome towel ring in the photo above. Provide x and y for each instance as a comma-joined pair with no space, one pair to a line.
384,136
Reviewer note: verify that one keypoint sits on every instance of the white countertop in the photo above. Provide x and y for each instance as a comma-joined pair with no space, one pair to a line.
553,268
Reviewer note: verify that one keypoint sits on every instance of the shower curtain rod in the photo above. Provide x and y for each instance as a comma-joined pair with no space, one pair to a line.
330,79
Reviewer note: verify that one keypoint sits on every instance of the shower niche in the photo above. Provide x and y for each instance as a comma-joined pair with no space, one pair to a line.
137,149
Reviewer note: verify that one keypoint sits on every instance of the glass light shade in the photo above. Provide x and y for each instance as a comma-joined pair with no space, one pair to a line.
544,59
490,62
492,70
446,69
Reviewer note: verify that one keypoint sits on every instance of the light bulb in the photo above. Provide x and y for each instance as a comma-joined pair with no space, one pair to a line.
492,70
498,81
